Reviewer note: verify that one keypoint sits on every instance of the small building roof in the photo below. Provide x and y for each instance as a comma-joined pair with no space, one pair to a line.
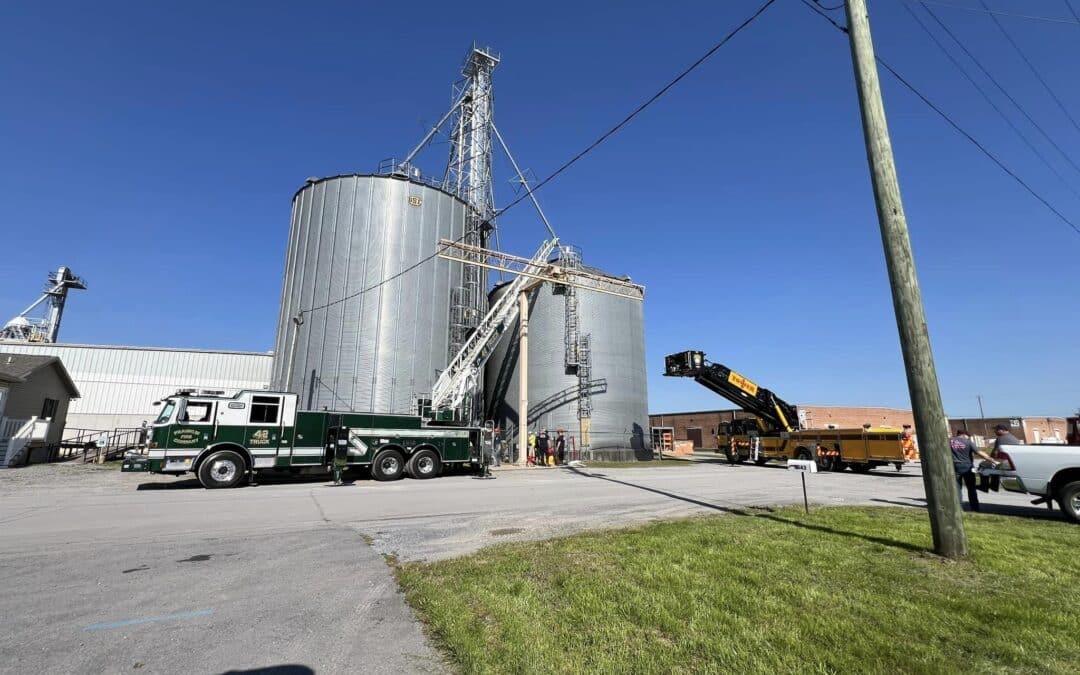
16,368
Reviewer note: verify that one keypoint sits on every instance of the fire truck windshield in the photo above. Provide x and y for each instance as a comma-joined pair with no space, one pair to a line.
166,412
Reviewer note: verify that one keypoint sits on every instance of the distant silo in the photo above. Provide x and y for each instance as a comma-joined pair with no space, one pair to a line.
620,418
374,350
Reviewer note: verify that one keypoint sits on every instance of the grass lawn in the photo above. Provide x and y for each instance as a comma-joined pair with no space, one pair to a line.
840,590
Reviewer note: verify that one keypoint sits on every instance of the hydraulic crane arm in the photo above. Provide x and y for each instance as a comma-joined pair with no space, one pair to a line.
773,410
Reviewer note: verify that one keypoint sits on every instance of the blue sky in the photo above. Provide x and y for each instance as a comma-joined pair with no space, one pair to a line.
155,148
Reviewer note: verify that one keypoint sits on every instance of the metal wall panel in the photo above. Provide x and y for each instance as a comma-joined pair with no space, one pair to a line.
365,346
620,417
118,385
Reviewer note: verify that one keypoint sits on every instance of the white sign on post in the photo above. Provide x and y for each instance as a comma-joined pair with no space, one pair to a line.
803,466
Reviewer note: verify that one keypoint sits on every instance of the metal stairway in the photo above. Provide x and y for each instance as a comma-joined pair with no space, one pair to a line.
462,375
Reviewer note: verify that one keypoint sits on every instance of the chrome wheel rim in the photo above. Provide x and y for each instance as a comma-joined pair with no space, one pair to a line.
425,465
1075,503
389,465
223,470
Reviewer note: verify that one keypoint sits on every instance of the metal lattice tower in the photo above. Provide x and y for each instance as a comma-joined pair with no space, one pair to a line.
26,329
468,175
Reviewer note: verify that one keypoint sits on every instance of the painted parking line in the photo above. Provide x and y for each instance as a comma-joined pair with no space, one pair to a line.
150,619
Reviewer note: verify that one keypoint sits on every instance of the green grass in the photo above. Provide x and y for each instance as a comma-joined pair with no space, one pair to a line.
840,590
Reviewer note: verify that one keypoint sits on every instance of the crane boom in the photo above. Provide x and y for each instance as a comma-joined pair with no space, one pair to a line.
775,411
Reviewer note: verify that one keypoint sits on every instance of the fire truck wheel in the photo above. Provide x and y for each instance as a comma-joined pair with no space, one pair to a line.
222,469
803,453
388,465
424,464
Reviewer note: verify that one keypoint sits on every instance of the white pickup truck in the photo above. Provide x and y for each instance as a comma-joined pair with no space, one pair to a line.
1051,472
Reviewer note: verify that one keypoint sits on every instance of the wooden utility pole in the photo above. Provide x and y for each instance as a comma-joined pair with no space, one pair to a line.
946,523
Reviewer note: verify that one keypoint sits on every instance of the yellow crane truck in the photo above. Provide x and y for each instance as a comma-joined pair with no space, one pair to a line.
774,432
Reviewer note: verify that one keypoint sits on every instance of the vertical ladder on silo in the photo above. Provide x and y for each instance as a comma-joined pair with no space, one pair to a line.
584,373
570,260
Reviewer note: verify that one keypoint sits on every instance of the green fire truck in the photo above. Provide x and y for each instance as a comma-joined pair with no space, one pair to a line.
223,439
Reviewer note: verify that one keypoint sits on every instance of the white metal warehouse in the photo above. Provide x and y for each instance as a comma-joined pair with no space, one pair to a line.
118,385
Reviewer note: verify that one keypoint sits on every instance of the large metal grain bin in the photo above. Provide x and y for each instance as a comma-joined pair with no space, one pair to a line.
620,418
366,345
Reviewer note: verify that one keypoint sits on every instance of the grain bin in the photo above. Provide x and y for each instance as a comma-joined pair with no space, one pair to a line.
364,346
619,421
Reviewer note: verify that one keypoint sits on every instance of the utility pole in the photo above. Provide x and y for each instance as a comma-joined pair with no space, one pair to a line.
946,523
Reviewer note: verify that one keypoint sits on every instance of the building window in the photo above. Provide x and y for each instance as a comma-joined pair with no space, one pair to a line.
48,409
264,409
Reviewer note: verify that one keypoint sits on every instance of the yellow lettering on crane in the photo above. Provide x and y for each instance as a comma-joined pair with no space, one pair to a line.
742,383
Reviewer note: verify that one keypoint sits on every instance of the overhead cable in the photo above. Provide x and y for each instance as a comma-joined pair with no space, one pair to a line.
952,123
652,99
989,100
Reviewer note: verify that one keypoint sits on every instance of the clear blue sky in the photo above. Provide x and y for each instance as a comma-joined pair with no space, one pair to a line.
155,147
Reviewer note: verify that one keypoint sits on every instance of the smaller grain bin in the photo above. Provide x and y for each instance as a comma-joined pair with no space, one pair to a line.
617,427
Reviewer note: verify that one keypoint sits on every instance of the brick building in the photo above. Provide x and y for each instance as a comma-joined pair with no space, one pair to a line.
701,426
1027,429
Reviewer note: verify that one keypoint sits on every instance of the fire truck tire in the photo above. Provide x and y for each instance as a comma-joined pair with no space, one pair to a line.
1069,500
803,453
424,464
222,469
388,465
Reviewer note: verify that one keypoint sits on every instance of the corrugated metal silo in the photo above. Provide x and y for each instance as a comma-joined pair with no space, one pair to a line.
620,416
376,350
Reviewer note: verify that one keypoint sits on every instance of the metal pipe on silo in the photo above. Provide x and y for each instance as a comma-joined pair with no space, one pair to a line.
523,377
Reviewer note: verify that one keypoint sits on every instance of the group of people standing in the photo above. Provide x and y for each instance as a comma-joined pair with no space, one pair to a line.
964,453
547,451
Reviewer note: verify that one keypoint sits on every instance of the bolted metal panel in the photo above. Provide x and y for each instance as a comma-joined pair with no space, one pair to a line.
375,350
618,379
118,385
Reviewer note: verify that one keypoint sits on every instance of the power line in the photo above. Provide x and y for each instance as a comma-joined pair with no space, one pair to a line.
986,96
952,123
378,284
1072,10
639,109
992,12
587,150
1034,70
1001,88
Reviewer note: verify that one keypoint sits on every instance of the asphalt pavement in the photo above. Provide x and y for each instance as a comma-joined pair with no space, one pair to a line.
111,572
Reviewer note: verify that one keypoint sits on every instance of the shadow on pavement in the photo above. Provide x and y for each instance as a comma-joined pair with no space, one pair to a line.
765,513
917,502
289,669
1032,512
